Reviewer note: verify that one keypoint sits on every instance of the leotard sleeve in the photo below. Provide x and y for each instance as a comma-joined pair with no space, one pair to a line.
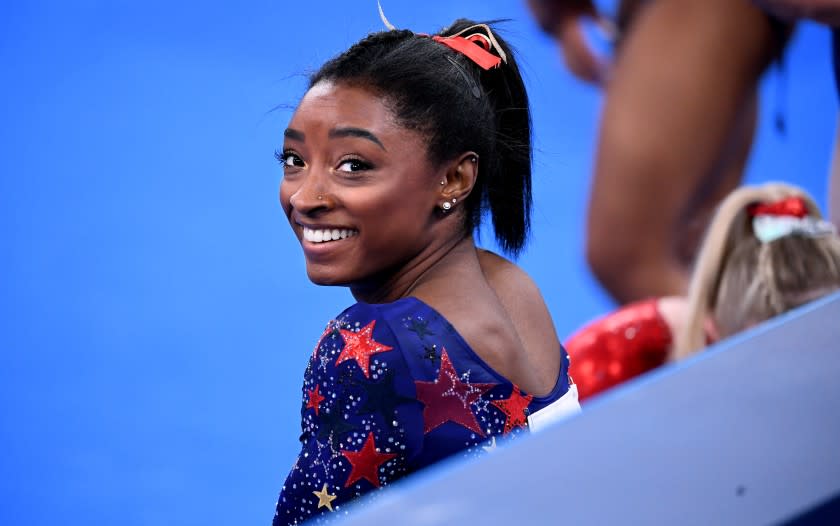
617,347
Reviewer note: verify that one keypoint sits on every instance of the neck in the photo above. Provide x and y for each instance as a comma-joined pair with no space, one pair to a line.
402,282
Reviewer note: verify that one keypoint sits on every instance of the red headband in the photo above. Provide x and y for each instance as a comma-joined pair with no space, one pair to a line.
475,47
791,206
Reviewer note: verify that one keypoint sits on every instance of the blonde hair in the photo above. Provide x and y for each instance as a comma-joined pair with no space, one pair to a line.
741,281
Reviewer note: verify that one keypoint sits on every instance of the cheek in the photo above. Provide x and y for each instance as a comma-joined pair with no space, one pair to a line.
397,221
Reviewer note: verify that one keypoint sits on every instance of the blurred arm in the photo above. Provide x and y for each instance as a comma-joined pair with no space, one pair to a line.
563,20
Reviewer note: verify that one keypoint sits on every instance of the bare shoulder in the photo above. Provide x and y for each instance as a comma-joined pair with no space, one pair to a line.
498,309
507,278
525,307
519,294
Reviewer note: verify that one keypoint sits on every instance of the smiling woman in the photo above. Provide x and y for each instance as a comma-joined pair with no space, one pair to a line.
395,153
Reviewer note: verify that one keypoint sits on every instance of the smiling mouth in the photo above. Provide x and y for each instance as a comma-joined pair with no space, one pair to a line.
324,235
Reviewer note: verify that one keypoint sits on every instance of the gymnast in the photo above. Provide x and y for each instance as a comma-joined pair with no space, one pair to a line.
767,250
399,149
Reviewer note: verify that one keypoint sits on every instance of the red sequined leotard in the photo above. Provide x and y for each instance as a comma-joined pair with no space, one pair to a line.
617,347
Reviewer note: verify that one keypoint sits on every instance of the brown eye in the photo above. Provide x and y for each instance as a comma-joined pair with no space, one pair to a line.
288,159
353,165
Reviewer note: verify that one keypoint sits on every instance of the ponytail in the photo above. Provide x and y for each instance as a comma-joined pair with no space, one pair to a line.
736,279
505,175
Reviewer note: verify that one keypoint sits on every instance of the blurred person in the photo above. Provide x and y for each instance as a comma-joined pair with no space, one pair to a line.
399,147
767,250
676,128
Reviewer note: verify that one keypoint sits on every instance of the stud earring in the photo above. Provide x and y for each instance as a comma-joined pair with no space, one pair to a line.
446,206
442,183
474,159
454,200
320,197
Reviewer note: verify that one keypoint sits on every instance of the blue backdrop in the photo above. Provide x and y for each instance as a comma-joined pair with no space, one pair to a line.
155,318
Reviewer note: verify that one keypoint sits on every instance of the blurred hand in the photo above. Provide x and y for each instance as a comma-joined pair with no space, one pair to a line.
822,11
579,57
564,19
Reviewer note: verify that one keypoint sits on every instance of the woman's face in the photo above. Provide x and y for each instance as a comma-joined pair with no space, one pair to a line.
358,188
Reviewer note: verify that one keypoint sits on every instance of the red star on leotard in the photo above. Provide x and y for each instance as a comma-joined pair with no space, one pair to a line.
315,399
360,346
365,462
448,399
514,409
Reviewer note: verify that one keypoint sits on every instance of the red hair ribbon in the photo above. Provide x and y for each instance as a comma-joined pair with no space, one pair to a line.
791,206
473,47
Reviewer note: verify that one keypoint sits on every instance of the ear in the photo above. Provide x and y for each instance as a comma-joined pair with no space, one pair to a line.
459,178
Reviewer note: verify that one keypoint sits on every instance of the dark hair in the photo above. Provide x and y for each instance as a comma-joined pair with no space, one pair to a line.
459,107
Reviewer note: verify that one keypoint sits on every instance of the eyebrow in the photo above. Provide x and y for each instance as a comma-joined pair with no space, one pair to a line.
291,133
355,132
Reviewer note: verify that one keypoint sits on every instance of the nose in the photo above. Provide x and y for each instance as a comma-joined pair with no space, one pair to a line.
310,195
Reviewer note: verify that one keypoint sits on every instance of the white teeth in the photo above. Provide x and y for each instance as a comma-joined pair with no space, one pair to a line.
323,235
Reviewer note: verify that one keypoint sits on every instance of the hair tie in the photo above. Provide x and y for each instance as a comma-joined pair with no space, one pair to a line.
466,47
475,46
481,40
789,216
790,206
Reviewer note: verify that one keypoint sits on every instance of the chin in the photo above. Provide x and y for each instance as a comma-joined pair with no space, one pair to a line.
325,277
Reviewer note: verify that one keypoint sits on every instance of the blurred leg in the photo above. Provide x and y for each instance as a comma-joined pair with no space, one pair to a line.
720,181
675,132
